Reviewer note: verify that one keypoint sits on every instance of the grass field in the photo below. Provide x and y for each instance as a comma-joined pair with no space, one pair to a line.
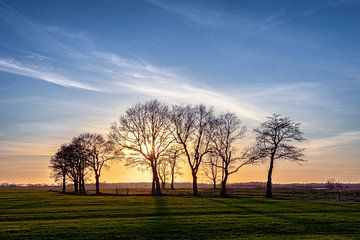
50,215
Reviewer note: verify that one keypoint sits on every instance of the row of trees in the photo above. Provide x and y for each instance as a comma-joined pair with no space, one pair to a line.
155,137
87,153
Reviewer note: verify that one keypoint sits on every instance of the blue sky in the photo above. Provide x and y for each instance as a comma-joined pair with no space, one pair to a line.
73,66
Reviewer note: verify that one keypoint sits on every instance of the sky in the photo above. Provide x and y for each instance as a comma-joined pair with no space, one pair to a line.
68,67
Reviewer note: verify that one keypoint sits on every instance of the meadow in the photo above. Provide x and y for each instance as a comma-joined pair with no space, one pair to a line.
35,214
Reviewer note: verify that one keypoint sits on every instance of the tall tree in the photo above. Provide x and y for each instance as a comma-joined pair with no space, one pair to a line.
227,131
274,140
144,130
100,153
192,131
59,166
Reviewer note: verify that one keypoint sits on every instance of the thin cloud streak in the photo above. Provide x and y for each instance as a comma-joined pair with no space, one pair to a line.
20,69
107,72
206,17
333,142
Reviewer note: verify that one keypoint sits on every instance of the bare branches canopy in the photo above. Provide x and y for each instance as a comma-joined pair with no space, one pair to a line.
192,130
144,131
153,137
86,152
227,130
274,140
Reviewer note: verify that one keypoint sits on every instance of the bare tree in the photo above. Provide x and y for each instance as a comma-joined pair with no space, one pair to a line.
100,153
58,165
164,171
274,140
174,157
211,169
331,184
227,131
144,130
79,156
192,132
71,166
68,160
169,165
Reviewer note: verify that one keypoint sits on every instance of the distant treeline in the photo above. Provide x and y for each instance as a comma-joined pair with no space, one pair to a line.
155,137
188,185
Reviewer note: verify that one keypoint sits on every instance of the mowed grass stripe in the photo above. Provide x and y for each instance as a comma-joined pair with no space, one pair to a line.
49,215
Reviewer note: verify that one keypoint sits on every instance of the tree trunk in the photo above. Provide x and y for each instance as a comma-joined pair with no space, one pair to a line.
163,185
158,188
83,185
97,184
223,184
156,182
214,183
80,187
269,182
153,186
195,187
64,183
76,186
172,181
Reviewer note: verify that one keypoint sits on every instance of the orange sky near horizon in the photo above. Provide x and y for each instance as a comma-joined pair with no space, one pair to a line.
34,169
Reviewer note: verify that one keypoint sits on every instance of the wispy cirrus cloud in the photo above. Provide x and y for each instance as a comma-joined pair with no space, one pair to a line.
284,16
83,65
203,16
333,142
166,84
87,67
42,74
336,3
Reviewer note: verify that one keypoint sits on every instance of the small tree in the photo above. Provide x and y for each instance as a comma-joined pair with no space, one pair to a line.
144,130
274,139
164,171
174,157
169,165
211,169
331,184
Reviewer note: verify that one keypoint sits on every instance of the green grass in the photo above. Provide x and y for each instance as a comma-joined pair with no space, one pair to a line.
50,215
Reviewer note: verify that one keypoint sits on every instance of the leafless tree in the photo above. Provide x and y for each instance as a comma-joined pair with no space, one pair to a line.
227,131
71,166
164,171
331,184
211,169
191,129
174,155
67,160
144,130
274,140
169,165
79,156
100,153
59,166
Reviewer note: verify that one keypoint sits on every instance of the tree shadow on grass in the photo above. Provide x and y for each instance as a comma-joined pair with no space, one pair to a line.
167,225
